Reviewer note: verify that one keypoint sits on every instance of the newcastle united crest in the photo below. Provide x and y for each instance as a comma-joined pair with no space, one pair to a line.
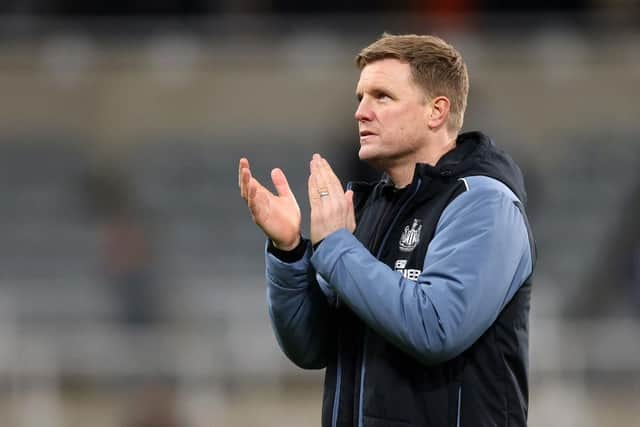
411,236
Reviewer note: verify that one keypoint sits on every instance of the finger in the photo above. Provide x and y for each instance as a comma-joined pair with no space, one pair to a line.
252,190
245,179
325,180
335,201
333,182
280,182
242,164
327,177
316,177
351,214
257,197
254,187
318,170
312,188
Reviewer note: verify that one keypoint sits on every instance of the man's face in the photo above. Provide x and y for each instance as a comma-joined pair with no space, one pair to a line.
392,113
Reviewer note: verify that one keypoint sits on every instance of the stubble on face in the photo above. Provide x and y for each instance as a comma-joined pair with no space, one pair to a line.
390,114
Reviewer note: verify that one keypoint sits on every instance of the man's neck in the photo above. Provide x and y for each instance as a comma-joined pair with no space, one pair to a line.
402,173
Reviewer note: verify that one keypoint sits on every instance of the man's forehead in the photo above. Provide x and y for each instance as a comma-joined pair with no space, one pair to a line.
384,71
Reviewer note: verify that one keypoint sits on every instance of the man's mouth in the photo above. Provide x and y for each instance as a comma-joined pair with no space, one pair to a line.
364,133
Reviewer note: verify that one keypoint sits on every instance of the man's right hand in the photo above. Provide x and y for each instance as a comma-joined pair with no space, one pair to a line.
277,215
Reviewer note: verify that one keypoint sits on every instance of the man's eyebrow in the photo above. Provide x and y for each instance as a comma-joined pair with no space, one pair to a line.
369,89
374,90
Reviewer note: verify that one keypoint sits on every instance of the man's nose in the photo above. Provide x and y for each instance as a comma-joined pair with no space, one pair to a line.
363,112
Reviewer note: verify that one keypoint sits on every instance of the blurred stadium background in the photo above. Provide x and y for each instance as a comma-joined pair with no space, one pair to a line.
131,288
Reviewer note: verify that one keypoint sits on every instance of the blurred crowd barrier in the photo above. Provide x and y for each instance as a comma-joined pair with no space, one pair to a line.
131,288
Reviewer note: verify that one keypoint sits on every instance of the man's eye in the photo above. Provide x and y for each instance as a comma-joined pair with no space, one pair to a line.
383,96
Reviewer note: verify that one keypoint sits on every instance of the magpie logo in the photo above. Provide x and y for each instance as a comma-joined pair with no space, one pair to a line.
411,236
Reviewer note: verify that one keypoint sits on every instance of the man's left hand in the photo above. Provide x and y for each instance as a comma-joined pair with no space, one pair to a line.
331,207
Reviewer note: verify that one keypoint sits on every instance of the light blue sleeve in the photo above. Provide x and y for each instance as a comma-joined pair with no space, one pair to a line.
477,260
298,309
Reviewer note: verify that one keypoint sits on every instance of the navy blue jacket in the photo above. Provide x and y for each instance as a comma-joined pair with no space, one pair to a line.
420,316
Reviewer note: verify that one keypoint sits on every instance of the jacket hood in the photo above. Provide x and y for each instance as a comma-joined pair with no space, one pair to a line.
476,154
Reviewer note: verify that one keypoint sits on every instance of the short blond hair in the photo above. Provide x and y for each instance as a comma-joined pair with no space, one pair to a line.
436,66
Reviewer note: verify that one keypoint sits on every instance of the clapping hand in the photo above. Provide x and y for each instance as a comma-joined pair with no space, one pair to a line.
331,207
277,215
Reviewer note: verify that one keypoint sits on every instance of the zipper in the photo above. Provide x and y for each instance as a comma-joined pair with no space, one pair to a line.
366,330
336,394
459,404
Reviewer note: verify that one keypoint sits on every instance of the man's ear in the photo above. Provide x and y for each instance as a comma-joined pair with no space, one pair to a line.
439,112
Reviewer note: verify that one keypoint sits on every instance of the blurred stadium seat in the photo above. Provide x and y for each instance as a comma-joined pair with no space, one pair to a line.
161,116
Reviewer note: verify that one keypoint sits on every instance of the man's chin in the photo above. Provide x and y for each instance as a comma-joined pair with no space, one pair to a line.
365,155
373,159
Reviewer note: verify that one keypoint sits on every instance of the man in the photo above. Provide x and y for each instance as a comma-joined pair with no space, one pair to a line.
413,292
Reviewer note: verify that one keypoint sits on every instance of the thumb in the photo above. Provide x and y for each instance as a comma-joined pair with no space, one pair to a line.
351,214
280,182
